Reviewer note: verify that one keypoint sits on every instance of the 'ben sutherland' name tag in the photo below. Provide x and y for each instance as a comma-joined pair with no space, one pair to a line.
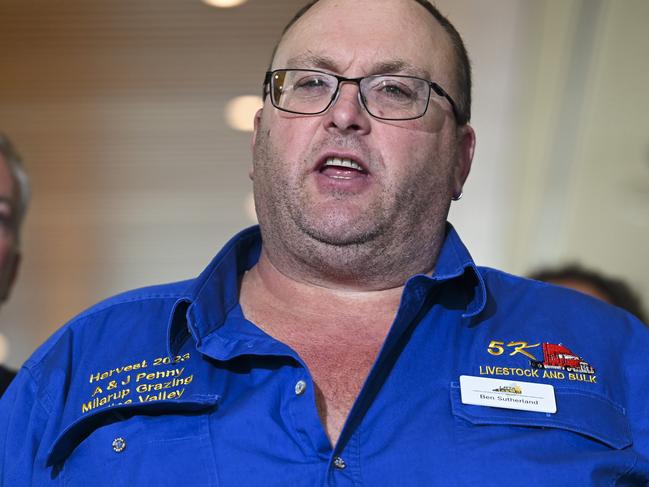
509,394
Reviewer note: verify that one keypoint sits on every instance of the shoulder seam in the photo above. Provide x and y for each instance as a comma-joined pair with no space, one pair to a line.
110,304
37,397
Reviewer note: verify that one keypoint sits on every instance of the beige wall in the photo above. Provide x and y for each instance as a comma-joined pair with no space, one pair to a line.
117,107
583,179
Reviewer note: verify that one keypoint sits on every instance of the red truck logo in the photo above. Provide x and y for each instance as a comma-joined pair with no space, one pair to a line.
559,357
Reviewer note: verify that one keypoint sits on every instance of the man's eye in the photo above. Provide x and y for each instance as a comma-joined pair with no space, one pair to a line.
396,91
310,84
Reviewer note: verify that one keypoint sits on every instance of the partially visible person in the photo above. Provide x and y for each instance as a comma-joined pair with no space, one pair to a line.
14,196
589,281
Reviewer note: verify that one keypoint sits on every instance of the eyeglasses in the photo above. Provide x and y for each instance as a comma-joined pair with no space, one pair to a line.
386,97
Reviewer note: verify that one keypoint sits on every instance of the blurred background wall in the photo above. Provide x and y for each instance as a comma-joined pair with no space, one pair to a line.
118,108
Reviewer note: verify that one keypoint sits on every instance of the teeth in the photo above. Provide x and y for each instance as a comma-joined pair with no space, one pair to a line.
343,162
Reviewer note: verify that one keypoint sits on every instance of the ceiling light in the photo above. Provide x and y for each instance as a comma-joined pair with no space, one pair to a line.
224,3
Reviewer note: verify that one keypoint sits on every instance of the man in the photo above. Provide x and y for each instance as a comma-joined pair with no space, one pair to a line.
14,195
350,340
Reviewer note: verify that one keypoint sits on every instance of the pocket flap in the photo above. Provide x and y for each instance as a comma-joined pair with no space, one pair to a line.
82,427
578,411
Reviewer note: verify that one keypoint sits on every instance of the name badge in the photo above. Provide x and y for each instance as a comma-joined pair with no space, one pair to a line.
508,394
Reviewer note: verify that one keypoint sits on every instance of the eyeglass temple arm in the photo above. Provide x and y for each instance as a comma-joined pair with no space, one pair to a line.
441,92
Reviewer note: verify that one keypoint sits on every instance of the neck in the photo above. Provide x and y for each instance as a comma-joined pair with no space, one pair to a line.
320,297
373,266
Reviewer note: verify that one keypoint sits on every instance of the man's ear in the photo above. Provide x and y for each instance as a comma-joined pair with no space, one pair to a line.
466,149
253,140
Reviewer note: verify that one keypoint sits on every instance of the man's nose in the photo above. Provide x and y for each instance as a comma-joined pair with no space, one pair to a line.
347,112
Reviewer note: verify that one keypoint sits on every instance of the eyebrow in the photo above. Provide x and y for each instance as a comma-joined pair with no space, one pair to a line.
311,60
400,66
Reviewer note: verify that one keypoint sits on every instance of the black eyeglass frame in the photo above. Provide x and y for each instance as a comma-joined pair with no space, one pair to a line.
357,81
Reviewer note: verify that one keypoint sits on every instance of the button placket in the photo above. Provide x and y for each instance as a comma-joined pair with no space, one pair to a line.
304,415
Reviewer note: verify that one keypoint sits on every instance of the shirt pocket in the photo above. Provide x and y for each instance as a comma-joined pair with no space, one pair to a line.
587,414
158,444
586,442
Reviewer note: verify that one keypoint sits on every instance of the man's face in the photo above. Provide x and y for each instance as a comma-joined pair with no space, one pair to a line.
9,256
409,170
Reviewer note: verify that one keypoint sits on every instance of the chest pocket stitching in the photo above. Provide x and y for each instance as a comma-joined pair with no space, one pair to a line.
70,475
74,433
612,429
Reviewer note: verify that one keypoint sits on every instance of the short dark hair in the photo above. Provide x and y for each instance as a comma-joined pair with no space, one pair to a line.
463,64
618,292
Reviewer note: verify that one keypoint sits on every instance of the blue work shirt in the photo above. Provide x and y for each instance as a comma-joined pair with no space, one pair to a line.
171,385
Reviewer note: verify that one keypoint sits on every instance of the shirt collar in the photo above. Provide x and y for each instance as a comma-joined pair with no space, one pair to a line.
206,303
215,292
455,261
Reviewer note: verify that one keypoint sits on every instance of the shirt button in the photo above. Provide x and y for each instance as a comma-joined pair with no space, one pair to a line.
300,387
119,445
339,463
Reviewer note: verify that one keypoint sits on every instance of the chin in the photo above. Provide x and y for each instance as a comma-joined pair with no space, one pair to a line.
342,233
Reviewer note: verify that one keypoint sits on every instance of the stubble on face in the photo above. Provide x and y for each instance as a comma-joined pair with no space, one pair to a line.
284,192
377,242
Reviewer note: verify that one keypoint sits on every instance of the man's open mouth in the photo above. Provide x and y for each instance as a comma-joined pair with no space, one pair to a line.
342,168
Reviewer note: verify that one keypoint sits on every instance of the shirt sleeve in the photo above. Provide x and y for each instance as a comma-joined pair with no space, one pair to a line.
634,360
23,420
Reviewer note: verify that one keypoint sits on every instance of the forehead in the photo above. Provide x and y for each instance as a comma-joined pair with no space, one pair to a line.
359,35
